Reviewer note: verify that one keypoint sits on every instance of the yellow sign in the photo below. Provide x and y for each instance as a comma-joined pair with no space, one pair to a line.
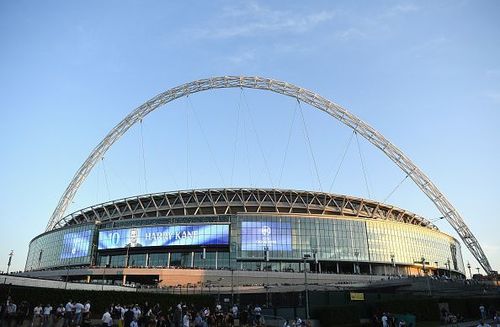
357,296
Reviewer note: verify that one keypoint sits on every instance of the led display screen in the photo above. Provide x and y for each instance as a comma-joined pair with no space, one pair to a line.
164,236
257,235
76,244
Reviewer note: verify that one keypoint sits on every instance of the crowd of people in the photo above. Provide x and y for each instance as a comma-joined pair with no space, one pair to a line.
72,314
78,314
181,315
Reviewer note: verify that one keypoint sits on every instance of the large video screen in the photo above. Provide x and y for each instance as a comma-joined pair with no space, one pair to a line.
257,235
164,236
76,244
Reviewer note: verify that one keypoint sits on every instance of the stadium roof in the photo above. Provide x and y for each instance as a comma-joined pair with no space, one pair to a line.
225,201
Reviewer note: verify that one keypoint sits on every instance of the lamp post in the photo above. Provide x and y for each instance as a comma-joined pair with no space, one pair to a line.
315,257
103,274
428,277
437,267
10,260
66,282
218,288
470,272
266,285
423,265
393,264
477,270
449,267
232,286
306,257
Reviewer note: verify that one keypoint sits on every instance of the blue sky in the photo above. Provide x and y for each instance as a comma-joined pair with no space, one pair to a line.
425,74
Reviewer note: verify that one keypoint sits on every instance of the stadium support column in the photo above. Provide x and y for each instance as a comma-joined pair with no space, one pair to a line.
356,264
306,291
124,281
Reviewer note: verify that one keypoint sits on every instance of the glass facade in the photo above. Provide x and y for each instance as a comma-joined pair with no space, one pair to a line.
62,247
252,238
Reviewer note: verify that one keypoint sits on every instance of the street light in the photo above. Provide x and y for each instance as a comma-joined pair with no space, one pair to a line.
306,257
423,265
393,264
449,267
10,260
218,288
428,277
470,272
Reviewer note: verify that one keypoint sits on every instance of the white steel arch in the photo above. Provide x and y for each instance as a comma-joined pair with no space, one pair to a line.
284,88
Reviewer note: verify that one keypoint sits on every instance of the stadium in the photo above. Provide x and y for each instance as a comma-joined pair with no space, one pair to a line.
248,230
244,236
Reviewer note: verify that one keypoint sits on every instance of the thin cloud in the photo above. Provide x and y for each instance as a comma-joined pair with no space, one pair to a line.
428,47
493,72
493,95
350,33
398,10
253,19
242,58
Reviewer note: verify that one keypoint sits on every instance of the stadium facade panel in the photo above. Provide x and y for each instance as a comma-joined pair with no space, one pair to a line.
248,229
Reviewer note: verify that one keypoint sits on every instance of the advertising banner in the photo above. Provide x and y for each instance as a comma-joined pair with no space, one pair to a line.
164,236
76,244
257,235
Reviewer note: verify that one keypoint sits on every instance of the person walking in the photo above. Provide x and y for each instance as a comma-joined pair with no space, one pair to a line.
11,313
482,311
128,316
37,316
78,313
186,320
106,319
68,313
385,320
86,314
47,315
59,319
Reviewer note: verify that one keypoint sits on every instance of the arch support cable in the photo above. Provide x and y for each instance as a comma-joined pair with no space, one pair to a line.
284,88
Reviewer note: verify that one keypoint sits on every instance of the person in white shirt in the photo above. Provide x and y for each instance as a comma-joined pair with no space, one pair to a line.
234,310
47,311
385,320
86,312
107,321
257,311
68,313
137,312
86,307
186,320
37,315
121,322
